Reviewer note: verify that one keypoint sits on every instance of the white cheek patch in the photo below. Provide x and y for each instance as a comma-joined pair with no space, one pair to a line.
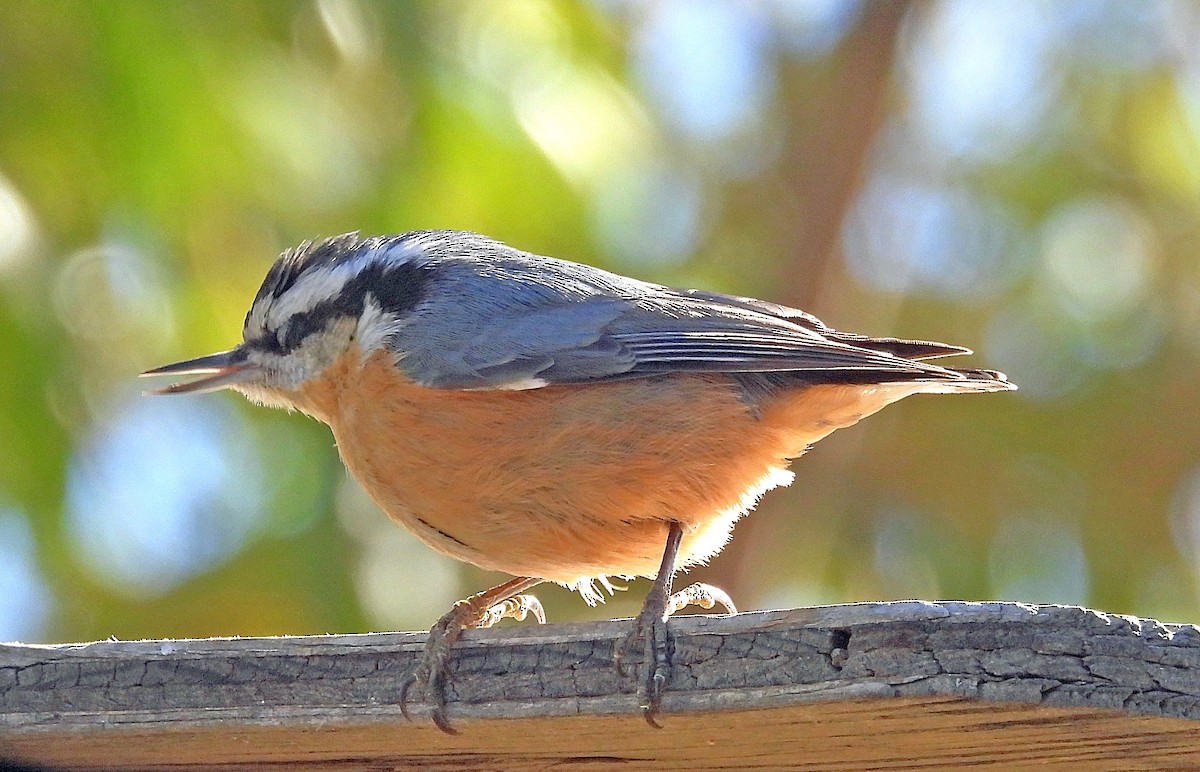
279,372
375,326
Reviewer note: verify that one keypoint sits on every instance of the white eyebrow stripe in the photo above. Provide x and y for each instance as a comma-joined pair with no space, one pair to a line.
315,286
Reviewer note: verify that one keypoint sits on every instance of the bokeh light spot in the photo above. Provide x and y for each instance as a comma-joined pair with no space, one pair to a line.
1038,558
18,231
163,490
314,147
651,213
903,235
26,603
980,83
1099,256
707,65
904,555
585,123
1035,350
351,29
510,43
400,580
111,290
810,29
1185,518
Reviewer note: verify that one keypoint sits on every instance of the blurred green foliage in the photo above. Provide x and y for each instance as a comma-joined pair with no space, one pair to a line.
1021,180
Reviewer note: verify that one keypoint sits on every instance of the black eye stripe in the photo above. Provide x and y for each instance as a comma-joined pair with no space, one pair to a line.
303,325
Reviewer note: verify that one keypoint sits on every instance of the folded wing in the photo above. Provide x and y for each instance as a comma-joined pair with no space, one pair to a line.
517,321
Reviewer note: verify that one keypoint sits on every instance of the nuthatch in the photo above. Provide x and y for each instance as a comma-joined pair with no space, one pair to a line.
551,420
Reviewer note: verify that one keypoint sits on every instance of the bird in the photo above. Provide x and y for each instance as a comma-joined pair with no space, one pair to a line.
551,420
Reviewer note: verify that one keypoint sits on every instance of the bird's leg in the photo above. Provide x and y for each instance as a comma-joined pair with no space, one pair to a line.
481,610
650,626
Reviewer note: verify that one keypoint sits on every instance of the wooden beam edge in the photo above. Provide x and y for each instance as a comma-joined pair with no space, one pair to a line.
1053,656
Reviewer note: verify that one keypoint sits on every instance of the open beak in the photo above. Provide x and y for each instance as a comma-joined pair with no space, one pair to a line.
219,371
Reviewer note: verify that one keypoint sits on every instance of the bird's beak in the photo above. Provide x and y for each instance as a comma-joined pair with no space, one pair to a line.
220,371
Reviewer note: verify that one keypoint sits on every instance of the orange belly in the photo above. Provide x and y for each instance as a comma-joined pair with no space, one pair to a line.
568,483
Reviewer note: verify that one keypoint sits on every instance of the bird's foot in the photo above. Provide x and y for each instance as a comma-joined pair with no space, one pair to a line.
703,595
651,635
432,672
517,607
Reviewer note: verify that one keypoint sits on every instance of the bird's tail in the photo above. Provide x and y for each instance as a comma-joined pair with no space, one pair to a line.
973,380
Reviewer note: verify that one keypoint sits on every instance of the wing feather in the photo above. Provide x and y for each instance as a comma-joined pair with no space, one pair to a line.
500,318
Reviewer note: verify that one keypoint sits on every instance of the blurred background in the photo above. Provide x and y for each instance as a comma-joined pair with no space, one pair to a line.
1022,178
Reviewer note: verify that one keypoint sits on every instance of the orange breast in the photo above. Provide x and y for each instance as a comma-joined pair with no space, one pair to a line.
571,482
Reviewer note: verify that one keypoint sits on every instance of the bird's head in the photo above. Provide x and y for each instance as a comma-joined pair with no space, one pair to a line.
318,302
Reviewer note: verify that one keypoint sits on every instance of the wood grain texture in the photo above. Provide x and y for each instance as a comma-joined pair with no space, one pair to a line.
893,685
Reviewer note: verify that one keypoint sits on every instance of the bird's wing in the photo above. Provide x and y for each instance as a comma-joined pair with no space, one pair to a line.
532,322
901,347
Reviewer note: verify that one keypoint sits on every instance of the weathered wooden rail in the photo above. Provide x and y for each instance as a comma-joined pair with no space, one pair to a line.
887,685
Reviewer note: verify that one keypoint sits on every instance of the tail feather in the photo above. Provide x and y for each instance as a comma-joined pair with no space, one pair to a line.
905,349
759,387
973,380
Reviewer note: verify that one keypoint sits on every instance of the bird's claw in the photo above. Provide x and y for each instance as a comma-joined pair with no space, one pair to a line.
517,607
651,632
651,637
432,672
703,595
